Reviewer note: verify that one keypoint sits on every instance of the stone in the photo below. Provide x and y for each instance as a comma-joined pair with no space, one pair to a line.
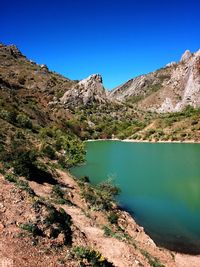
60,239
86,91
187,55
43,66
14,51
1,227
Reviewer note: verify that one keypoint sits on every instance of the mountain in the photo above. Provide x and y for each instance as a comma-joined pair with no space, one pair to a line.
86,92
169,89
85,109
47,217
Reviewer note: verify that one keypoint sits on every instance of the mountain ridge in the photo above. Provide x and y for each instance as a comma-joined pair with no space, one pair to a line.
169,89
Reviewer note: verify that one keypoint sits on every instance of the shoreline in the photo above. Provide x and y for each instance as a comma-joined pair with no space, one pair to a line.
147,141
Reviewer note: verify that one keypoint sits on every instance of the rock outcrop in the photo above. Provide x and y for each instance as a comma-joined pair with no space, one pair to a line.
169,89
86,92
186,56
12,50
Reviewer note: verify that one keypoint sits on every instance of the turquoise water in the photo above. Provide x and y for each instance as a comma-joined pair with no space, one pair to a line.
160,185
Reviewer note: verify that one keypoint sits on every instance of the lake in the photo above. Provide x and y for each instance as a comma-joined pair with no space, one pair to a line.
160,184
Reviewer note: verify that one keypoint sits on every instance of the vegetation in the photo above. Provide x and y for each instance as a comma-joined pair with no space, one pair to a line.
91,256
51,222
32,228
59,195
23,185
154,262
59,222
101,196
113,217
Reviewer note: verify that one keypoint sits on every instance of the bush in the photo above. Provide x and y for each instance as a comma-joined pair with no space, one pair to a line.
48,151
57,191
113,217
32,228
59,222
25,186
85,179
24,162
100,197
23,121
109,189
11,178
92,256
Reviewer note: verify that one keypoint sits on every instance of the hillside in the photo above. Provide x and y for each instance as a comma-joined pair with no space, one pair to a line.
84,108
169,89
48,217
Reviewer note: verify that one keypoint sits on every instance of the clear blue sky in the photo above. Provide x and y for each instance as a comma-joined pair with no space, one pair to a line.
119,39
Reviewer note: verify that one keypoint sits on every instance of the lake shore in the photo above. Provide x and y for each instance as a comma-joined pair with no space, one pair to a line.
147,141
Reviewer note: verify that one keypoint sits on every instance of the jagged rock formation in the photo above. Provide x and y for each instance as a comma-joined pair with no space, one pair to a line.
186,56
169,89
86,92
12,50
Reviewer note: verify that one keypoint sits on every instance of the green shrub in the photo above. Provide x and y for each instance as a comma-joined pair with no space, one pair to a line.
49,151
84,179
59,222
24,162
23,121
32,228
92,256
154,262
100,197
11,177
58,194
113,217
25,186
57,191
107,231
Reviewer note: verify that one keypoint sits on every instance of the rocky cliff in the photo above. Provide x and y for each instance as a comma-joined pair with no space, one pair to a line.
169,89
86,92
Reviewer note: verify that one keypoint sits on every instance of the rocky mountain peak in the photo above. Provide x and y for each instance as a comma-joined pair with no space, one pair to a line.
92,79
12,50
186,56
197,54
86,91
169,89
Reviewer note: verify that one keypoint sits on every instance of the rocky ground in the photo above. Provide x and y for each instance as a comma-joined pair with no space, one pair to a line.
18,247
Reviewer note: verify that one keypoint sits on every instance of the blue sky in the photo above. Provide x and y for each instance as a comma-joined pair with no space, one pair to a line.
119,39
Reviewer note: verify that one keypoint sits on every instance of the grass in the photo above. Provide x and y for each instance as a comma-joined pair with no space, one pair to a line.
101,196
32,228
154,262
59,196
93,257
21,184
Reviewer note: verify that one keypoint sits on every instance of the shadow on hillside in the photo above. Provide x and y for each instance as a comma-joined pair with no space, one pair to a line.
180,245
41,176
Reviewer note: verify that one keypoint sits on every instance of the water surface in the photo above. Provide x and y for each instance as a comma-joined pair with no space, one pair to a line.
160,185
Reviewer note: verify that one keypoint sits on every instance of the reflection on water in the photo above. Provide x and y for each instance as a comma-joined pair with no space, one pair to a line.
160,186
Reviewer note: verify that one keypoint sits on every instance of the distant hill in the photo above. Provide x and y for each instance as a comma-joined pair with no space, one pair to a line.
169,89
162,105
